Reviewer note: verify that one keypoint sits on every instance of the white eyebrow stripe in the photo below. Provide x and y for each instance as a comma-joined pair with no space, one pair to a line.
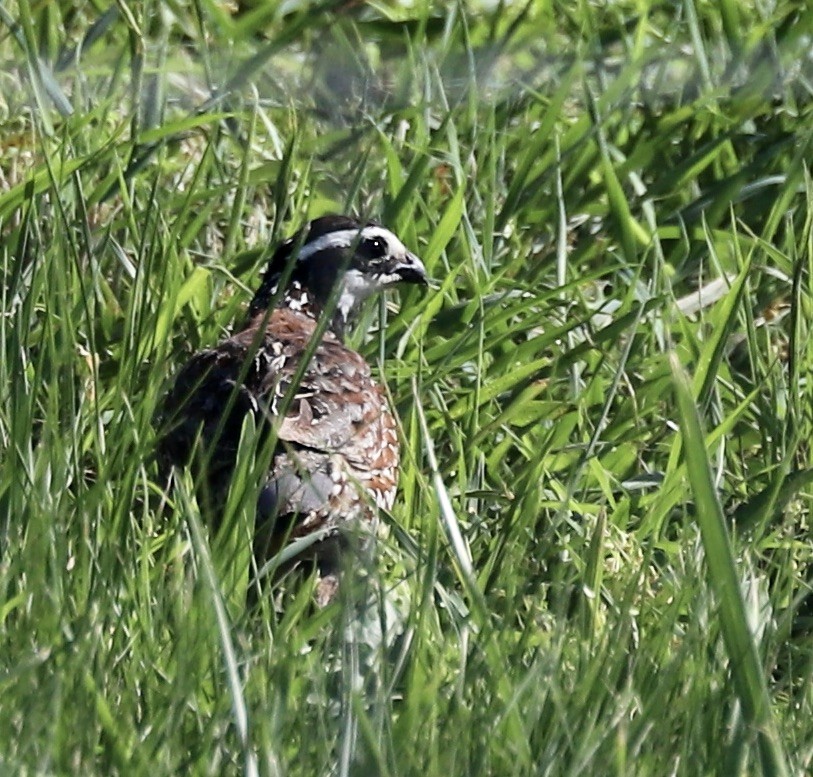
344,238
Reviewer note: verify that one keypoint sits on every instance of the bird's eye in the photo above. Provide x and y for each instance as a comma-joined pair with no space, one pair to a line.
373,247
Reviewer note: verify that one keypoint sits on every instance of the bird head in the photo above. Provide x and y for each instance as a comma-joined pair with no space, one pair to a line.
339,261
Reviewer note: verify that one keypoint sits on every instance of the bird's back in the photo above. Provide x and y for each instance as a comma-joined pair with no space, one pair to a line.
336,452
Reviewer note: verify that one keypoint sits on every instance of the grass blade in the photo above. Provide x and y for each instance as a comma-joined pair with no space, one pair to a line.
743,653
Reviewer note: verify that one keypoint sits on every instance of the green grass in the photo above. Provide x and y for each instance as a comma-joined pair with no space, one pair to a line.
599,559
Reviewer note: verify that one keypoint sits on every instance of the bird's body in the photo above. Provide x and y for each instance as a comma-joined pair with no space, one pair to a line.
336,454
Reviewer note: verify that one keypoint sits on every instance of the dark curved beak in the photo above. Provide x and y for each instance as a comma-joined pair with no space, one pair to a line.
411,270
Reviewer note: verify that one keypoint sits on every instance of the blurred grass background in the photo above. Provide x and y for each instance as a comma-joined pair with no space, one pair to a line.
607,396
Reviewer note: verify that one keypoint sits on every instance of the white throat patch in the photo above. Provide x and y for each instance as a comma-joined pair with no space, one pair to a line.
356,287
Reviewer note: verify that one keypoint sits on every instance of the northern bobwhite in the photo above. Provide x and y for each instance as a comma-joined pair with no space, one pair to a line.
336,455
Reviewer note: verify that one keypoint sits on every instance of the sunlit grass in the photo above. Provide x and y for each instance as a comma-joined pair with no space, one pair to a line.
597,563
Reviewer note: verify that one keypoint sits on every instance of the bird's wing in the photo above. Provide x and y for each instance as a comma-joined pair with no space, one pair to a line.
333,429
336,413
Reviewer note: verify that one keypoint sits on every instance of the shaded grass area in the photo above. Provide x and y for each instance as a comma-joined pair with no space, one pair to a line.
598,561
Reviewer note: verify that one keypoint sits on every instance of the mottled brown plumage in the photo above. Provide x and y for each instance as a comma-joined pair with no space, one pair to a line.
336,456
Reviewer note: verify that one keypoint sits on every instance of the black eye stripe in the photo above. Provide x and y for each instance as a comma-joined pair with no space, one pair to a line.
373,247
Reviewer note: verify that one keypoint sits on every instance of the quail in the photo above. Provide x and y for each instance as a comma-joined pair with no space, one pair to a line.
335,459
